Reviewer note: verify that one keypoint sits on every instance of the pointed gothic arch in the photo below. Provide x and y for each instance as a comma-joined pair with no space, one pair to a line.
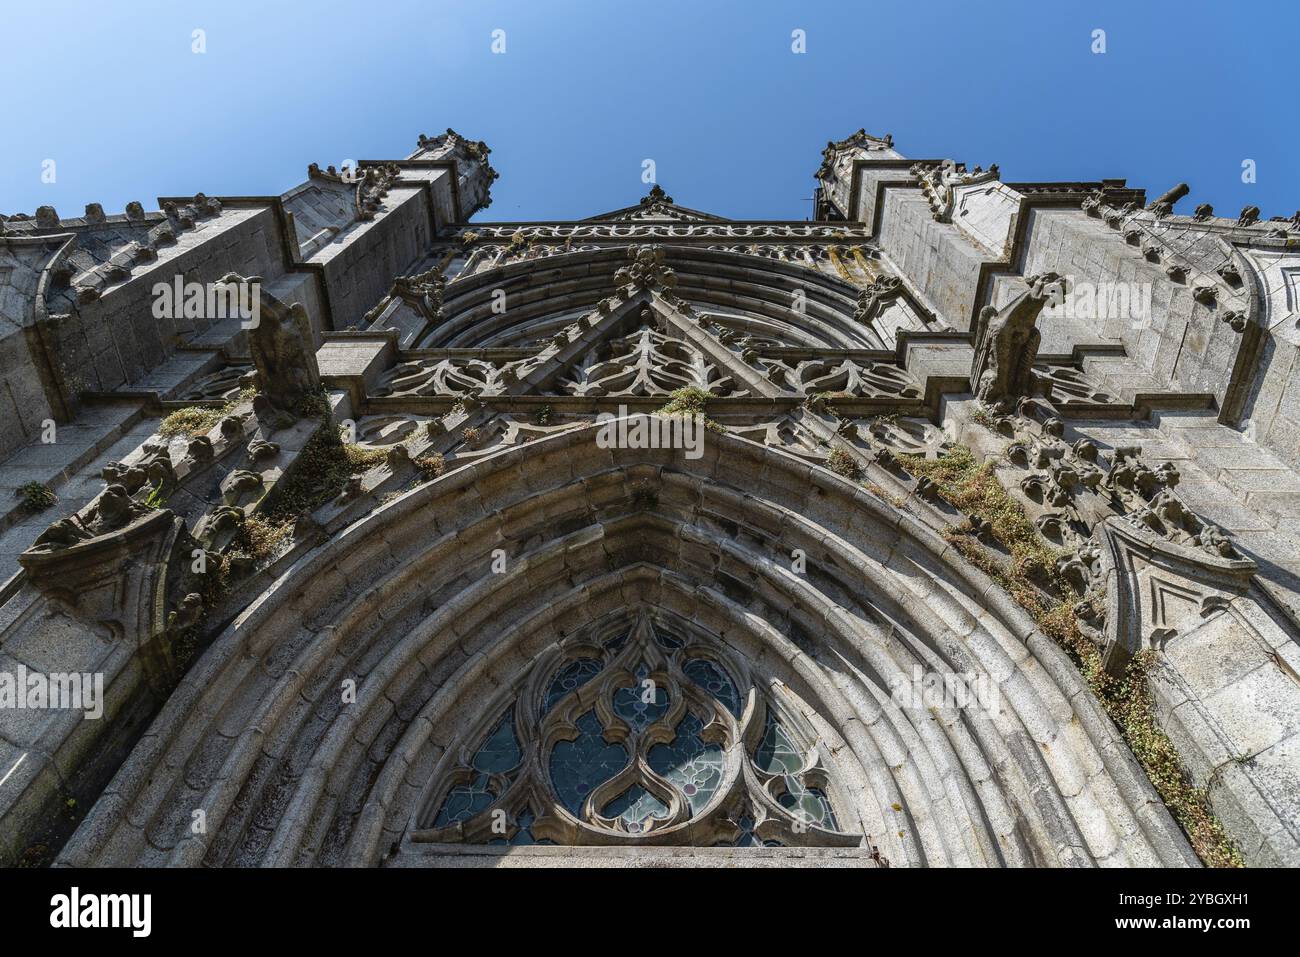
405,604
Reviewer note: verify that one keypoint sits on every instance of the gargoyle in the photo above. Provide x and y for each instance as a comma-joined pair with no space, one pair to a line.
283,351
1008,341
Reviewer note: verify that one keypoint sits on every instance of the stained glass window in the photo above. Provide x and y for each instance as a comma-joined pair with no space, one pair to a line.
657,711
776,754
637,807
578,766
571,677
693,766
642,704
715,681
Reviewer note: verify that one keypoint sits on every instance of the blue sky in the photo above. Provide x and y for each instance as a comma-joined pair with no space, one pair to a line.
588,89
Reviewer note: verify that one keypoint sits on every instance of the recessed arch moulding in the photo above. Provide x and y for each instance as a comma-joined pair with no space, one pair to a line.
406,603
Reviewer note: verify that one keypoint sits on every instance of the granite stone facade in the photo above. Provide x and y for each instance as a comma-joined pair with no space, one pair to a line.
421,555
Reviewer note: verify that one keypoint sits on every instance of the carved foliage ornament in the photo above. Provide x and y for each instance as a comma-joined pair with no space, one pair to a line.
647,269
872,300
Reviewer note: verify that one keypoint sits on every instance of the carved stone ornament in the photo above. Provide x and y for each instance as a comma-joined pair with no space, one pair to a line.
284,353
939,183
1007,343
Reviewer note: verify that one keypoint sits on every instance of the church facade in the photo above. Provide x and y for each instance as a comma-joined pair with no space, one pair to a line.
956,526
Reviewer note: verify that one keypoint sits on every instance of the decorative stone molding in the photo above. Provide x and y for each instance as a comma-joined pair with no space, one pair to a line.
532,752
113,565
873,299
452,143
1152,587
592,533
559,233
111,511
860,142
1092,502
939,181
373,188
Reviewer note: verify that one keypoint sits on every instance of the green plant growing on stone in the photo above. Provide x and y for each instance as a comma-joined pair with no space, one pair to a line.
842,463
974,489
430,465
36,496
544,415
315,404
318,475
690,400
196,420
820,402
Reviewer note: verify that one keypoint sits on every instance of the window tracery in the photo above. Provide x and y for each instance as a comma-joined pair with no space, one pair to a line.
643,732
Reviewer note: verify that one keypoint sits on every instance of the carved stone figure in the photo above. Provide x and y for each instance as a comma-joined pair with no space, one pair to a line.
284,354
1008,341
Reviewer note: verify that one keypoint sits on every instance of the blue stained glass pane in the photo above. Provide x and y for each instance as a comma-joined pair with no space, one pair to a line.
808,804
580,765
631,705
572,676
776,754
667,640
713,679
636,805
464,801
500,752
525,833
690,764
747,836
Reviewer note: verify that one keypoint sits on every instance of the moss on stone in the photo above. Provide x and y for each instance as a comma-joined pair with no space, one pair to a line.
196,420
820,402
880,492
842,463
319,473
690,400
36,496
